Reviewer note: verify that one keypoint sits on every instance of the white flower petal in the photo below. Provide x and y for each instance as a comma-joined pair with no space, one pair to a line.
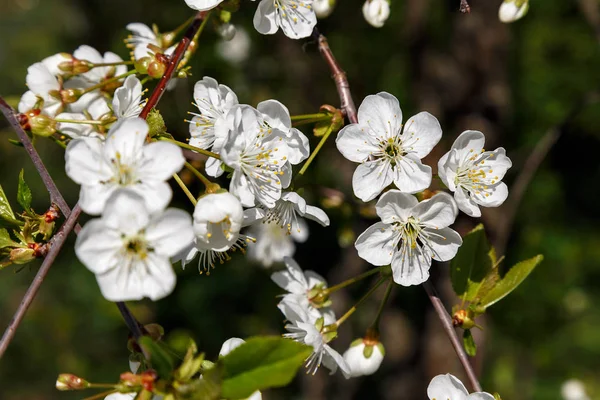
203,5
395,206
97,246
265,18
439,211
170,232
411,176
161,161
444,243
354,142
292,279
317,215
125,211
446,387
126,139
422,132
370,178
410,266
466,204
156,194
381,114
375,245
229,345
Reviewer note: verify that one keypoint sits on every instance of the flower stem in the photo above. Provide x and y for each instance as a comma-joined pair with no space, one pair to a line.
316,150
185,189
359,302
386,296
198,174
181,27
101,395
111,64
84,121
111,80
311,121
308,116
353,280
190,147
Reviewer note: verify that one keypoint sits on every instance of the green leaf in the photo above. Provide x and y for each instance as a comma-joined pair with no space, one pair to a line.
24,193
261,363
513,278
469,343
162,361
6,211
472,263
6,240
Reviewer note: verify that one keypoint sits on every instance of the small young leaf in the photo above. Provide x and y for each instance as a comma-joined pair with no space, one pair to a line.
510,281
260,363
162,361
6,240
24,193
469,343
6,211
15,142
471,264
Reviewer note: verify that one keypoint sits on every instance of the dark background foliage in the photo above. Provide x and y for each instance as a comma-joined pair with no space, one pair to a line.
513,82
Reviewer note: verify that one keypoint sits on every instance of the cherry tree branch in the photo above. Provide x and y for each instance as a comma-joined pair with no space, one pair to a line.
174,60
56,244
55,195
339,77
349,109
438,305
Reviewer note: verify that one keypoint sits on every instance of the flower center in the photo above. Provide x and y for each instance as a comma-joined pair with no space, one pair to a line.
136,246
474,175
283,215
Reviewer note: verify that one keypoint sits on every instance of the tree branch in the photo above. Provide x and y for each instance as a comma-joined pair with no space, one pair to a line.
55,195
174,60
339,77
56,244
449,328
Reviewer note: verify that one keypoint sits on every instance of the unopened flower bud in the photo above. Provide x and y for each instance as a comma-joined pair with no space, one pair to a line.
42,125
141,65
323,8
156,69
376,12
512,10
69,96
364,356
226,31
71,382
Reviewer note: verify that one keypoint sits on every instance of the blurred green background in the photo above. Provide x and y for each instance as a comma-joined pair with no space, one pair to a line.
513,82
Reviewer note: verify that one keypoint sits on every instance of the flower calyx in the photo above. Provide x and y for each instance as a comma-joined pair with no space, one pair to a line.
318,296
464,319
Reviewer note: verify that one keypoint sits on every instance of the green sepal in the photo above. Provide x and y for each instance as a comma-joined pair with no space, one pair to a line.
469,343
368,351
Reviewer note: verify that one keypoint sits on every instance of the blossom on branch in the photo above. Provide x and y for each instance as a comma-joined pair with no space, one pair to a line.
124,161
449,387
127,101
376,12
203,5
473,174
410,235
128,248
364,356
386,152
296,18
142,36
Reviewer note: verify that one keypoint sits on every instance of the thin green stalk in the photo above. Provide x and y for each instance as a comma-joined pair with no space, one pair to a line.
101,395
111,80
185,189
82,121
316,150
189,147
59,142
111,64
344,317
353,280
181,27
310,121
309,116
198,174
386,296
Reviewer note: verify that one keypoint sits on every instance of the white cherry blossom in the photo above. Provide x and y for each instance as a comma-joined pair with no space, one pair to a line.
287,209
304,328
473,174
123,161
256,154
236,50
449,387
364,357
512,10
141,37
410,235
386,152
376,12
296,18
42,85
128,248
203,5
127,101
213,100
323,8
272,244
303,288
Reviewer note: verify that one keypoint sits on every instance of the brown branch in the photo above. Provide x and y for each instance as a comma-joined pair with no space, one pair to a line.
339,77
57,242
174,60
55,195
449,328
465,7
